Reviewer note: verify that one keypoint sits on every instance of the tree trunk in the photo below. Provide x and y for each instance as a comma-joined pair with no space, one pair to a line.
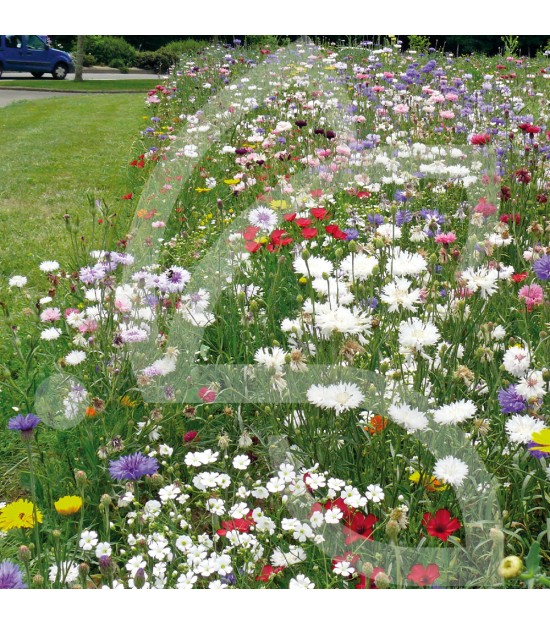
79,58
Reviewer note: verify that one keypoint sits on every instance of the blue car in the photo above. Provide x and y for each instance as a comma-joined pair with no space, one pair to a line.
32,53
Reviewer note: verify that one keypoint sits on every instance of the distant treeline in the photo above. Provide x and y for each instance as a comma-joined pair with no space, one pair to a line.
457,44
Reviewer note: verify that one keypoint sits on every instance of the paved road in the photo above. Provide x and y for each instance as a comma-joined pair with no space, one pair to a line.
7,96
23,77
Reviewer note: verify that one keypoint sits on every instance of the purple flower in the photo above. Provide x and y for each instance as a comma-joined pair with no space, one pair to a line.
132,467
351,234
25,424
542,267
11,576
510,400
535,452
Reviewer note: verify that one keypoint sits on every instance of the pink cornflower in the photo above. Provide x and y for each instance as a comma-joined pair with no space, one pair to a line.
401,109
50,314
485,208
89,325
446,238
532,294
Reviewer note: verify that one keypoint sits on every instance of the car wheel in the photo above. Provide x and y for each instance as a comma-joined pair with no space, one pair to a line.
59,71
37,74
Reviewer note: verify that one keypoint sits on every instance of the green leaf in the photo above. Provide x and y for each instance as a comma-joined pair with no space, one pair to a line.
532,562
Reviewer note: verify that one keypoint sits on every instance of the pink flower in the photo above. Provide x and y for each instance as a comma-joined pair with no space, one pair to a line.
50,314
485,208
158,224
446,238
446,115
401,109
532,294
89,325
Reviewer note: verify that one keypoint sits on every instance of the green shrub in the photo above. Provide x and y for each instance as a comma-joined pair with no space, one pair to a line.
156,61
107,50
89,60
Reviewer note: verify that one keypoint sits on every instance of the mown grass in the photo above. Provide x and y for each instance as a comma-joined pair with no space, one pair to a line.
54,153
133,84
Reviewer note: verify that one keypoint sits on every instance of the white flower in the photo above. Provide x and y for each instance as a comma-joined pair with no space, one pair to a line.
270,357
18,281
239,510
50,334
103,549
315,266
409,418
415,335
389,231
402,263
88,540
75,357
333,515
359,266
134,564
165,450
531,386
300,582
340,397
67,574
516,360
341,320
168,493
520,428
451,470
263,218
456,412
481,279
375,493
49,265
343,568
396,294
241,462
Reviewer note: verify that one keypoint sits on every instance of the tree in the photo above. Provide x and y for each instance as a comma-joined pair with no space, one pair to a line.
79,57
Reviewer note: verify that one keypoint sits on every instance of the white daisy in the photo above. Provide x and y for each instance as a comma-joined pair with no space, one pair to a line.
359,266
396,294
520,428
516,360
456,412
451,470
340,397
415,335
410,418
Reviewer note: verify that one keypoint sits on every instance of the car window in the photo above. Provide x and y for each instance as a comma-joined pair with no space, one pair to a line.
13,41
35,43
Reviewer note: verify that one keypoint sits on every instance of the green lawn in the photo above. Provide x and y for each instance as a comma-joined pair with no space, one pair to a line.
131,84
55,152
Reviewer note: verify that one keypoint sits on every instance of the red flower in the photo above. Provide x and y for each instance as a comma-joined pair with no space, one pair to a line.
268,572
128,196
335,231
303,222
206,394
309,233
349,556
363,195
339,503
371,583
252,246
510,217
440,525
319,213
316,193
240,525
423,576
289,217
522,175
519,277
480,139
250,233
359,527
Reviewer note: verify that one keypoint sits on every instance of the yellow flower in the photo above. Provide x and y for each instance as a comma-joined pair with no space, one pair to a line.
542,440
430,483
18,514
232,181
68,505
510,567
278,204
127,402
203,190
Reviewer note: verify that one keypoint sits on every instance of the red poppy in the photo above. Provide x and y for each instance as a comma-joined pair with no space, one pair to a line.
289,217
268,572
335,231
359,527
250,233
506,218
423,576
319,213
519,277
206,394
128,196
303,222
309,233
240,525
252,246
440,525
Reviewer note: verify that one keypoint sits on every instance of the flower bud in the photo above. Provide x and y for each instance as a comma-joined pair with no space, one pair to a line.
38,581
81,478
382,580
105,500
139,578
24,553
510,567
367,569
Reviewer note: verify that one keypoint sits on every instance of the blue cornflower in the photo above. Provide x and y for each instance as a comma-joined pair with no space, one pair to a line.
542,267
11,576
510,400
132,467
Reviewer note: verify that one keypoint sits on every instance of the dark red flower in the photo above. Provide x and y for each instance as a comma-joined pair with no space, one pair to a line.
189,436
510,217
440,525
480,139
505,193
359,527
240,525
335,232
522,175
423,576
128,196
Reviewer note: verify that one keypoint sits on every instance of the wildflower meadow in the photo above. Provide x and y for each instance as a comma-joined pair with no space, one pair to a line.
308,348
